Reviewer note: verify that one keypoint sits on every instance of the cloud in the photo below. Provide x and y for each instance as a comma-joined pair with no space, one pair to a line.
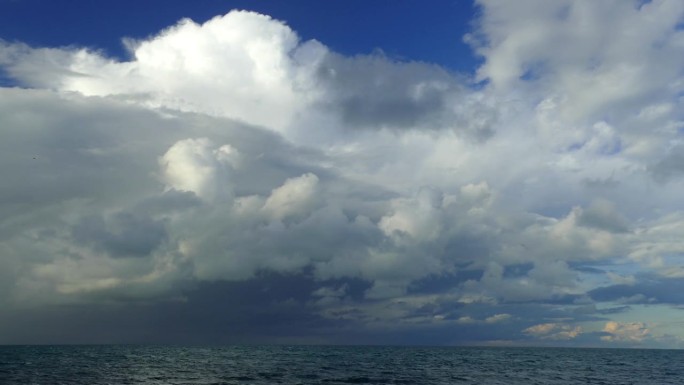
649,289
231,156
671,165
625,332
192,165
496,318
295,197
553,331
376,92
124,234
603,215
579,52
242,65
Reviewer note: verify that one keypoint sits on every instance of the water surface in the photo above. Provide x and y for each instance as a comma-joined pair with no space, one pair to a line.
156,365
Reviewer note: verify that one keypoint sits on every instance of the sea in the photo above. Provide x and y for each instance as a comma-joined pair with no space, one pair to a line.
152,365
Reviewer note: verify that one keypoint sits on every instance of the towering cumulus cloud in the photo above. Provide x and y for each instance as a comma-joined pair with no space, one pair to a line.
231,182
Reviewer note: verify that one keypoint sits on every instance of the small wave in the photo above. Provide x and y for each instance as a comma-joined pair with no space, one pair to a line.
358,380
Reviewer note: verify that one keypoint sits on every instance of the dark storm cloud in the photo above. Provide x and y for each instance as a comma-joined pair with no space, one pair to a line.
614,310
517,270
375,91
167,202
122,234
268,308
439,283
647,289
274,307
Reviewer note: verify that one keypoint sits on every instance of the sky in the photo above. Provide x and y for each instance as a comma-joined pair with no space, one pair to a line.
492,173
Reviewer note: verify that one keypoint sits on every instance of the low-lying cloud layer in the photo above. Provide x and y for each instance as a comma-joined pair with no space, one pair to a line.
232,183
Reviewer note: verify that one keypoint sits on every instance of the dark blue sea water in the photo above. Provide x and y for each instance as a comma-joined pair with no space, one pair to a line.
94,365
